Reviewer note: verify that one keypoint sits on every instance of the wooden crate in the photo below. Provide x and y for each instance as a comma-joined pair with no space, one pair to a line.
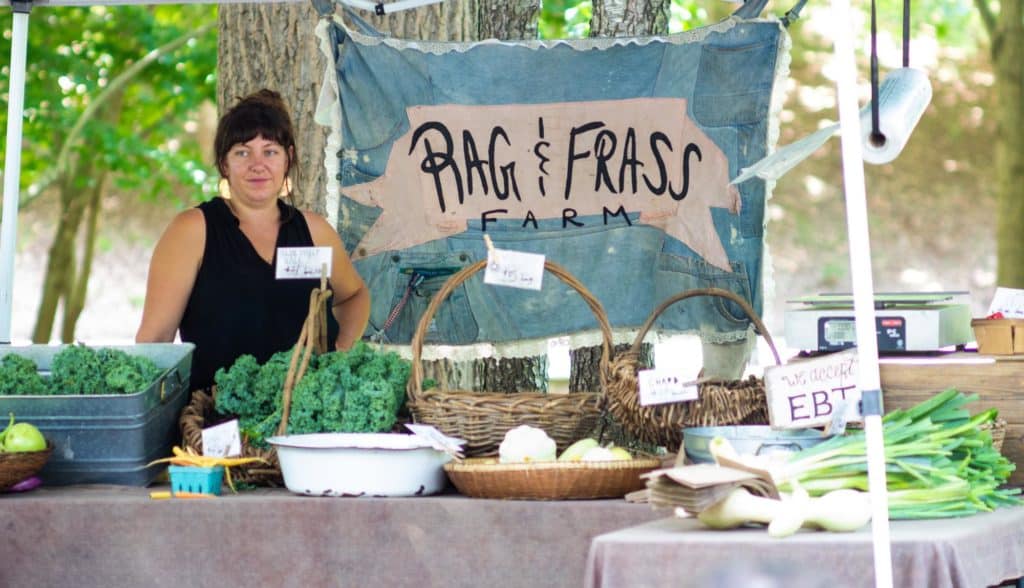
998,381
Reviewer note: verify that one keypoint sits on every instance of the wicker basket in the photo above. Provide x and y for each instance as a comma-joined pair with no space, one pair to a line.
552,480
720,402
997,429
483,418
202,406
195,416
19,466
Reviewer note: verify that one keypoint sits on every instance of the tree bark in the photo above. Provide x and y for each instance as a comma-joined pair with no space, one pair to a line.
1008,62
273,46
62,263
627,18
74,302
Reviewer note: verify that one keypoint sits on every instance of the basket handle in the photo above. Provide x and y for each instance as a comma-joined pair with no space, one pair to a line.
414,388
720,292
313,336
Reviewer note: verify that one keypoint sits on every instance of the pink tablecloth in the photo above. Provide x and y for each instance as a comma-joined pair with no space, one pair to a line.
117,537
971,552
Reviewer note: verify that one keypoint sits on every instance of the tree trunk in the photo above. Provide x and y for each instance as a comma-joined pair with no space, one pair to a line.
1008,62
586,364
454,20
628,18
62,264
78,288
273,46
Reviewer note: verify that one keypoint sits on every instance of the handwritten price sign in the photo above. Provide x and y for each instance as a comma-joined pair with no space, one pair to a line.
660,386
515,269
806,393
297,263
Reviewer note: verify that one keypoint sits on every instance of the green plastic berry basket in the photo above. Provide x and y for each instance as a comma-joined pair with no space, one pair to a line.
196,480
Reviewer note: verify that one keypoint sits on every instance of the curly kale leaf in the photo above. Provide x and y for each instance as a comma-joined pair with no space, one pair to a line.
370,408
236,392
124,373
270,381
256,431
77,369
20,375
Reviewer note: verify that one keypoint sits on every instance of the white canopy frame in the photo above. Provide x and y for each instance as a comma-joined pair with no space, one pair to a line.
854,188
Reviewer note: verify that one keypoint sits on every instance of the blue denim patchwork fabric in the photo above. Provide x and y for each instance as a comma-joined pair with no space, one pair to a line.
727,73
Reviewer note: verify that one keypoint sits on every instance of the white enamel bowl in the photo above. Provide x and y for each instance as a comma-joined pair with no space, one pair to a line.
360,464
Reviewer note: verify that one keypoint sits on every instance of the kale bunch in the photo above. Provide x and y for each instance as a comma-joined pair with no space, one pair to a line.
76,369
20,375
355,391
80,369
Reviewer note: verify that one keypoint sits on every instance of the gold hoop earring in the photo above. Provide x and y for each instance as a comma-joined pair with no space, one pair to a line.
224,188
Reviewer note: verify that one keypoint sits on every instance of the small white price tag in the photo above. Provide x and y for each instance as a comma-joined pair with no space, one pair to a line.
515,269
659,386
438,440
298,263
222,440
1009,301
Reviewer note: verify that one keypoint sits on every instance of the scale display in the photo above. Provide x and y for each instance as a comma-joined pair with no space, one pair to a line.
837,333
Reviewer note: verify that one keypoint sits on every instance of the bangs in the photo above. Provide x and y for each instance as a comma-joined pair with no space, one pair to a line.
246,122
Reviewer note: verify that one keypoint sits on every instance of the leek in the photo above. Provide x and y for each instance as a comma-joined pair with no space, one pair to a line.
939,462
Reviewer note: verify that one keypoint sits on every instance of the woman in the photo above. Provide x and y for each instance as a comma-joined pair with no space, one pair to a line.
212,275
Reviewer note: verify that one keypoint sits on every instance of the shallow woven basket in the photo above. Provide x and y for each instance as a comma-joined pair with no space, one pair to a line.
483,418
195,416
997,428
19,466
483,477
720,402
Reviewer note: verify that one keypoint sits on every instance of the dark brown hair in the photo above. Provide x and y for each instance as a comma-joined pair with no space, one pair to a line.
260,114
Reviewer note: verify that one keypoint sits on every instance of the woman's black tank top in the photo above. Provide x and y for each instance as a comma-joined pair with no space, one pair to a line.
237,306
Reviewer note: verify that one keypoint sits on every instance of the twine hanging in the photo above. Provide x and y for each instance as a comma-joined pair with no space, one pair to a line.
312,337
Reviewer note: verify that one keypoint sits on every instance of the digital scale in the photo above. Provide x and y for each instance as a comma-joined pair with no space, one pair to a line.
904,322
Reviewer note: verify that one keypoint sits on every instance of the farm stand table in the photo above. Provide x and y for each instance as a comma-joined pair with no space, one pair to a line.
970,552
117,537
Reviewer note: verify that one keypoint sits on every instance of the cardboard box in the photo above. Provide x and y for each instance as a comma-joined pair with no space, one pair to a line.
999,336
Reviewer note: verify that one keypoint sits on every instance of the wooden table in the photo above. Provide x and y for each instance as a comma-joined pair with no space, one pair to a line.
972,552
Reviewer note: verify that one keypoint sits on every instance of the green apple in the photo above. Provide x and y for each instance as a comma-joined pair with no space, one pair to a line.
23,437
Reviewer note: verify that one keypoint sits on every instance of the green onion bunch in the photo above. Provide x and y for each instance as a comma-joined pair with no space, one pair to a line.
939,461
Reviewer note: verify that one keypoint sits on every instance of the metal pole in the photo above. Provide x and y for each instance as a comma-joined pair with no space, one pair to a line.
12,164
863,288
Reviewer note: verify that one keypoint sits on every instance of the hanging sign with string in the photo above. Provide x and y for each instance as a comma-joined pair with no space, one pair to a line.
612,157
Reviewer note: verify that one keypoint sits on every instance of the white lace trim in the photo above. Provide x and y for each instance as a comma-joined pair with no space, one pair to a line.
328,114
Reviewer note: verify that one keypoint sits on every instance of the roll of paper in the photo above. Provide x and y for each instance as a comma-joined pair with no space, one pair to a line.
903,96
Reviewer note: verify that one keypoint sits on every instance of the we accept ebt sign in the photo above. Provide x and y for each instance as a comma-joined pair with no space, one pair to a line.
808,393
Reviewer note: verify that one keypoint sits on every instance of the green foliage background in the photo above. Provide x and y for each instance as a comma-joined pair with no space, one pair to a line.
74,53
